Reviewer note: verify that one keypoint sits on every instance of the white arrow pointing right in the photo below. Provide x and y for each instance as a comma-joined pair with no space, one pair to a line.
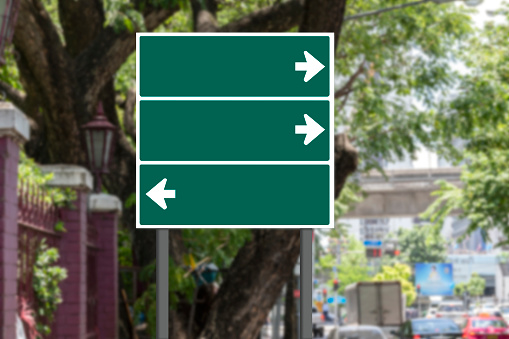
311,66
312,129
158,194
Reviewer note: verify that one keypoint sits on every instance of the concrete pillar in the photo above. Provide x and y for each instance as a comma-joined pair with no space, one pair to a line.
104,212
71,315
14,131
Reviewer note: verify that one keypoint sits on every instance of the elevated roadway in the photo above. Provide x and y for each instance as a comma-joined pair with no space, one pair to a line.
406,193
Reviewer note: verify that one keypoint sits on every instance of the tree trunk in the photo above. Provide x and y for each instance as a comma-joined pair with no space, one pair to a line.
253,284
290,310
65,72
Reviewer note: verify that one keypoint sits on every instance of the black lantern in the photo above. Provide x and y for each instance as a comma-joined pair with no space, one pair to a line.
99,134
8,15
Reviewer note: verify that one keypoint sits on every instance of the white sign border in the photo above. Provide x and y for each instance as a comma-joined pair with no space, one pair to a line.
330,98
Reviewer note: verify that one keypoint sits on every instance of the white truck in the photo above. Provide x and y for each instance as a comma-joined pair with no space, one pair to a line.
377,303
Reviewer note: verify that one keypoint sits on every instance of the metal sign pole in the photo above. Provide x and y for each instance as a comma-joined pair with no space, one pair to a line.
306,286
163,301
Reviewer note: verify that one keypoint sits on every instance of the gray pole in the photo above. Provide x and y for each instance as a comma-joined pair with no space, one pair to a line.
306,283
336,317
298,307
277,319
163,301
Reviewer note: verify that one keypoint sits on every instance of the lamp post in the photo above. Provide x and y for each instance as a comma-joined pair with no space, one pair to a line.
99,135
8,16
470,3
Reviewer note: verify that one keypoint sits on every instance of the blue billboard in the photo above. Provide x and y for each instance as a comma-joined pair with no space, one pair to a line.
434,279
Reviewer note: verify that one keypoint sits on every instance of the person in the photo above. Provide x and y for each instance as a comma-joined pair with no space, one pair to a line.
433,275
325,310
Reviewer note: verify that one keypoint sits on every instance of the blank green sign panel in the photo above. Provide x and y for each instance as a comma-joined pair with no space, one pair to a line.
234,130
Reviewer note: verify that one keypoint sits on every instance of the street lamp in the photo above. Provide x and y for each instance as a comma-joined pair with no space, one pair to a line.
8,16
98,141
470,3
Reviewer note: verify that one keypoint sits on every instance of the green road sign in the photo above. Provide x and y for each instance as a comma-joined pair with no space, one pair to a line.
222,65
234,195
235,130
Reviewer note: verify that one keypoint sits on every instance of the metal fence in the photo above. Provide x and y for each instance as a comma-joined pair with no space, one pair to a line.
37,217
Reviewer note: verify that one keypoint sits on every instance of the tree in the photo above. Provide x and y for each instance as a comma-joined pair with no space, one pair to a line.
391,67
352,268
69,55
475,285
422,244
460,289
354,265
471,129
402,273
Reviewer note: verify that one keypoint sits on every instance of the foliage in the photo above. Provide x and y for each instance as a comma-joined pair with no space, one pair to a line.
390,69
477,120
354,265
125,254
422,244
180,284
219,246
230,10
476,284
29,171
350,195
503,257
401,59
123,15
459,289
147,304
9,73
402,273
46,280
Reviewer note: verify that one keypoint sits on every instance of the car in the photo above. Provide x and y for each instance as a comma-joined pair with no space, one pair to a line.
411,313
431,313
422,328
504,310
454,310
486,326
488,309
356,332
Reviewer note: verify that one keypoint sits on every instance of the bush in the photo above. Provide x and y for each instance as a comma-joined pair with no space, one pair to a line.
47,277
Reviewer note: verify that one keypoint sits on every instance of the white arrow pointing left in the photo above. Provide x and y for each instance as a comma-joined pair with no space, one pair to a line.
311,129
158,194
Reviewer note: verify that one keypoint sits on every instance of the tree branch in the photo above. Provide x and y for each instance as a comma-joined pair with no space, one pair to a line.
104,56
80,33
37,40
345,161
324,16
277,18
129,105
204,15
17,97
347,88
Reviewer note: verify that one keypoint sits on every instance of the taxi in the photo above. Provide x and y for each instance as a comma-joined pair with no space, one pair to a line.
486,326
